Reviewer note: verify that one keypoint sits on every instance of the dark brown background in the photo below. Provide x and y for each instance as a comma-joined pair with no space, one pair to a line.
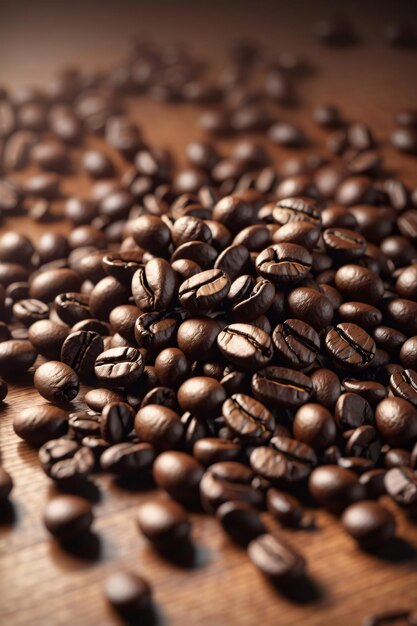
42,585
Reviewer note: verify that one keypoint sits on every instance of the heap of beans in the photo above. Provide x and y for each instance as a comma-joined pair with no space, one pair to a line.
244,330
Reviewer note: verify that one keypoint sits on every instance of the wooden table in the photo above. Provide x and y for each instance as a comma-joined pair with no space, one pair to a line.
41,584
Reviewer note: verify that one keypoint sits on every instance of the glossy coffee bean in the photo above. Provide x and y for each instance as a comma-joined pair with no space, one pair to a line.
153,286
314,425
228,481
204,291
68,517
248,418
16,357
56,382
401,485
128,593
404,385
310,306
287,509
203,396
163,522
396,421
370,524
350,346
178,474
276,558
285,460
116,422
159,426
280,387
119,366
352,411
80,351
240,521
245,345
335,488
326,386
284,264
96,399
210,450
296,343
127,459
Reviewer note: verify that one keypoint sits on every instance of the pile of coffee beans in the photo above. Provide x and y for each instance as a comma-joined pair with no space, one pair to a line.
245,334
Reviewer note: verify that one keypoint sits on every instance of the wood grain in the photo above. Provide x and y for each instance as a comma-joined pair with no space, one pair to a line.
41,584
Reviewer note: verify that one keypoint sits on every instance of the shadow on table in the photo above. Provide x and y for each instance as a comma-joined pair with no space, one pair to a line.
303,590
398,550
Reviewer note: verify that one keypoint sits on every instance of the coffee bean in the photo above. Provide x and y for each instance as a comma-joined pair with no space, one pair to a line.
373,481
326,386
369,523
361,314
369,390
352,411
404,385
80,351
72,307
210,450
248,418
343,244
40,423
119,366
350,346
310,306
296,343
285,460
47,285
335,488
68,517
241,521
284,507
159,426
363,443
96,399
245,345
228,481
73,469
276,558
401,485
203,396
197,338
396,420
56,382
204,291
284,263
51,156
97,164
314,425
179,474
153,286
127,459
128,593
116,422
122,265
281,387
16,357
358,283
56,450
164,522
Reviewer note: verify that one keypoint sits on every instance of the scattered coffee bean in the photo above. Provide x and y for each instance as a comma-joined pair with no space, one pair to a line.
68,517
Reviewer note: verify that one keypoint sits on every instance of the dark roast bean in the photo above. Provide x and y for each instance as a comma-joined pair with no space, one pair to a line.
396,420
67,517
248,299
296,343
204,291
245,345
56,382
163,396
280,387
248,418
210,450
16,357
326,386
373,481
369,390
164,522
153,286
47,285
364,315
40,423
350,346
128,593
197,338
172,367
370,524
73,469
30,311
203,396
228,481
122,265
311,307
358,283
401,485
56,450
314,425
276,558
116,422
80,351
72,307
83,424
404,385
233,261
297,210
343,244
241,521
287,509
124,459
352,411
159,426
285,460
179,474
284,263
96,399
119,366
363,443
335,487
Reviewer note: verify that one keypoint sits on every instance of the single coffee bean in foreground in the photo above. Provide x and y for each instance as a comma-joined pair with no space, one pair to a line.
128,593
67,517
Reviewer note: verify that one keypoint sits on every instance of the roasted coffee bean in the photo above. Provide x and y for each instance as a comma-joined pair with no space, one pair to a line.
15,248
119,366
285,460
73,469
326,387
106,295
128,593
241,521
343,244
72,307
287,509
82,424
203,396
276,558
352,411
335,487
397,457
116,422
40,423
6,484
163,396
248,299
56,450
396,421
172,367
358,283
67,517
370,524
123,319
210,450
164,522
297,210
47,285
155,331
369,390
296,343
97,164
29,311
197,338
245,345
408,353
56,382
96,399
228,481
153,286
280,387
122,265
310,306
350,346
404,385
80,351
248,418
314,425
159,426
204,291
401,485
359,313
179,474
16,357
284,263
373,481
233,261
126,459
363,443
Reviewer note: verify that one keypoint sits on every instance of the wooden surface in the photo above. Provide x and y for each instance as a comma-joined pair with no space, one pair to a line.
40,583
